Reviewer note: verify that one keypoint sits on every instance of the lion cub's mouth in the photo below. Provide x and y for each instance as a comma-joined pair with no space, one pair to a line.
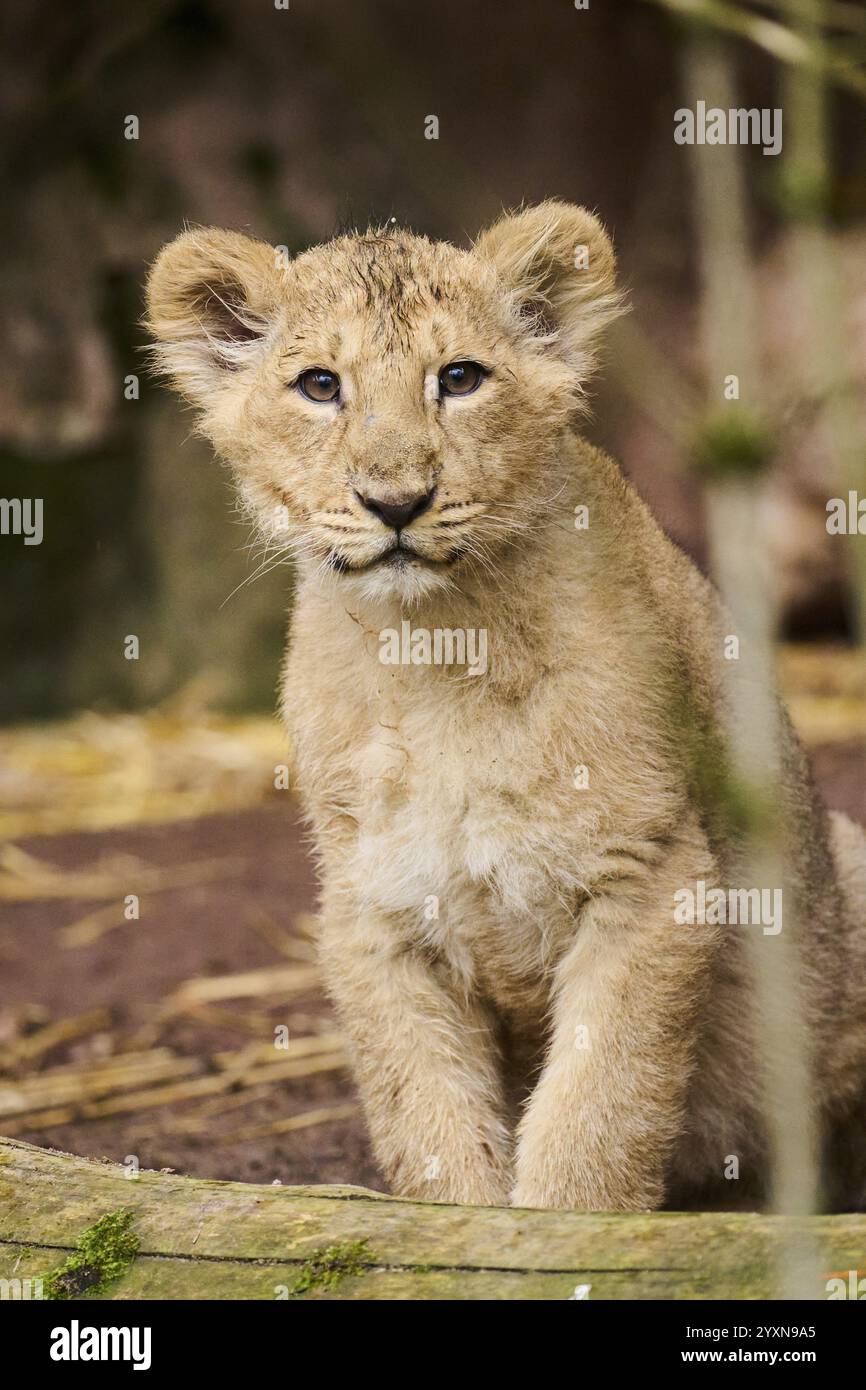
398,557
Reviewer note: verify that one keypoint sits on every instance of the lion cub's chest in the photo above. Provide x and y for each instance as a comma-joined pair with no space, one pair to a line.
440,846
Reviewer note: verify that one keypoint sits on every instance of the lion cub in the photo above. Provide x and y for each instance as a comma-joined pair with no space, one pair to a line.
497,662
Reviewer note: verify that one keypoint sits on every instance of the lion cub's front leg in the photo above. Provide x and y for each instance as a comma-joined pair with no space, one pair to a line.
601,1123
425,1065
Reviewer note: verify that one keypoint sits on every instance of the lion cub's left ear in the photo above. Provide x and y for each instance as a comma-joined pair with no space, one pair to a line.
557,261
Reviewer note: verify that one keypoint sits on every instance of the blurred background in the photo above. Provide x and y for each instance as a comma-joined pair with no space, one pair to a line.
147,1027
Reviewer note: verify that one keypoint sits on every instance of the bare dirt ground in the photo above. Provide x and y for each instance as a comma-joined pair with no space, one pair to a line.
243,907
211,930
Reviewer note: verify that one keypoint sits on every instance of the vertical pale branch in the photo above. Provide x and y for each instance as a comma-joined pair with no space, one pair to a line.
814,270
733,445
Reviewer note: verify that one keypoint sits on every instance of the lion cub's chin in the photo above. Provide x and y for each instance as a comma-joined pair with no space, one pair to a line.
408,580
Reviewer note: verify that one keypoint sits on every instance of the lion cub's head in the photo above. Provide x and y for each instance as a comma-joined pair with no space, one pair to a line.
392,407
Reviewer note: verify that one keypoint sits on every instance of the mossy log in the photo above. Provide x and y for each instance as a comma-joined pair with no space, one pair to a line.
195,1239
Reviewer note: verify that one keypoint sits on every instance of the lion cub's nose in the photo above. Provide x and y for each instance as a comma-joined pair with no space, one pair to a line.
397,514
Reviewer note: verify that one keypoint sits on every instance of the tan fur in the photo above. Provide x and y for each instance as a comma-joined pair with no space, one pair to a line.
481,913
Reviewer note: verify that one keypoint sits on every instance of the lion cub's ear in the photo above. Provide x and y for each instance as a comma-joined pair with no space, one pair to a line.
212,297
558,264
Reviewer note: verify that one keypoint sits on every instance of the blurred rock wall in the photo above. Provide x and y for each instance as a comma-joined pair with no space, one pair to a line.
292,124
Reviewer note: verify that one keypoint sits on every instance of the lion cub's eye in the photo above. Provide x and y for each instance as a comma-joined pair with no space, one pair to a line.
460,378
319,385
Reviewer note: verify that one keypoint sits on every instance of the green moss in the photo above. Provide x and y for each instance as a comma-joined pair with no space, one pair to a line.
804,193
325,1268
733,810
105,1252
732,444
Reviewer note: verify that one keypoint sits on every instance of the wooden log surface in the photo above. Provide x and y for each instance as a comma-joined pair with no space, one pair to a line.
213,1240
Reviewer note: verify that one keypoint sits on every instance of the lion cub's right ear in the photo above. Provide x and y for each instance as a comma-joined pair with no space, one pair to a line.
212,298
